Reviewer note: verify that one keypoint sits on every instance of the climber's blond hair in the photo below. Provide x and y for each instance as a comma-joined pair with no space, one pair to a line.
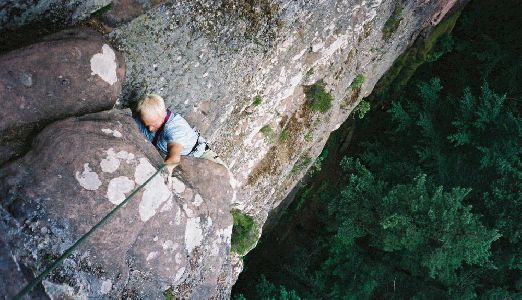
151,103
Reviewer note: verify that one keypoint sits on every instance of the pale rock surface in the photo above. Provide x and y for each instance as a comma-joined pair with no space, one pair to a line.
209,60
159,241
72,72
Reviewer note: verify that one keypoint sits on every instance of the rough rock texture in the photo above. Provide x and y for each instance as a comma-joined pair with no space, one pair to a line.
21,21
122,11
210,59
70,73
174,235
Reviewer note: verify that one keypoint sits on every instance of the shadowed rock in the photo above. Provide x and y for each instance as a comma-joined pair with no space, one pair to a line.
122,11
70,73
174,235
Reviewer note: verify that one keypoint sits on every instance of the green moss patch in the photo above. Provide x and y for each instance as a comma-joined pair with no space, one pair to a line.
393,22
257,100
268,133
244,232
362,108
284,135
357,82
318,98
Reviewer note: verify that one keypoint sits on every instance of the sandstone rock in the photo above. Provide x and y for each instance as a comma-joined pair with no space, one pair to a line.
24,20
70,73
122,11
173,236
210,60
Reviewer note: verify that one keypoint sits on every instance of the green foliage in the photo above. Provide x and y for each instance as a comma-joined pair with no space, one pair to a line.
393,22
268,133
445,44
244,232
357,82
284,135
427,203
320,100
408,63
239,297
257,100
318,163
168,294
308,136
362,108
267,290
421,230
302,163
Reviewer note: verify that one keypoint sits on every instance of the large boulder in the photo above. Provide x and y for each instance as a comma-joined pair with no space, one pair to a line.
70,73
173,237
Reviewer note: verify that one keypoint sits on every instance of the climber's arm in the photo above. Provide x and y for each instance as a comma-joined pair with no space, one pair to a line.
173,155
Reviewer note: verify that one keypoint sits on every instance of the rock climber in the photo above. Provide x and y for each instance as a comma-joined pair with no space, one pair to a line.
170,133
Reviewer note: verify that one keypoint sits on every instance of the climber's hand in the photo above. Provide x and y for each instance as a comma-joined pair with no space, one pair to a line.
170,167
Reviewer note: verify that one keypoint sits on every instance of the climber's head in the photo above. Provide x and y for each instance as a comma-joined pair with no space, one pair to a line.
151,110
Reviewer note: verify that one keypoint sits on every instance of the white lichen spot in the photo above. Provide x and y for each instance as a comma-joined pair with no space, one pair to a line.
65,291
193,234
111,163
117,189
169,245
234,184
88,179
143,171
299,55
198,200
223,238
226,233
167,206
177,218
106,286
152,255
189,212
208,224
125,155
114,133
155,238
156,192
177,185
179,274
317,46
177,258
104,65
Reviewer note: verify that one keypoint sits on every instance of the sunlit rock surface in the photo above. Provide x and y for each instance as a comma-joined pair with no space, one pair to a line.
210,60
174,235
69,73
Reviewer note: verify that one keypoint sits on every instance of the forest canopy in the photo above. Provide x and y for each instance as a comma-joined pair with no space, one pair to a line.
426,201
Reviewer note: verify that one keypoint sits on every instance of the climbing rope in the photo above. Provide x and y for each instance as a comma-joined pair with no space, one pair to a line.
68,252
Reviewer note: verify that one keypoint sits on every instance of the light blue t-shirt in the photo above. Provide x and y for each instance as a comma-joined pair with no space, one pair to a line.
178,130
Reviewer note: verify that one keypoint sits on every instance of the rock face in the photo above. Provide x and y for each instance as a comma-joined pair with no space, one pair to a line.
173,236
122,11
70,73
238,70
210,60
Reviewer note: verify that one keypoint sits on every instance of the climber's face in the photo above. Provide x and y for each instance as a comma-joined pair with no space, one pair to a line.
152,120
